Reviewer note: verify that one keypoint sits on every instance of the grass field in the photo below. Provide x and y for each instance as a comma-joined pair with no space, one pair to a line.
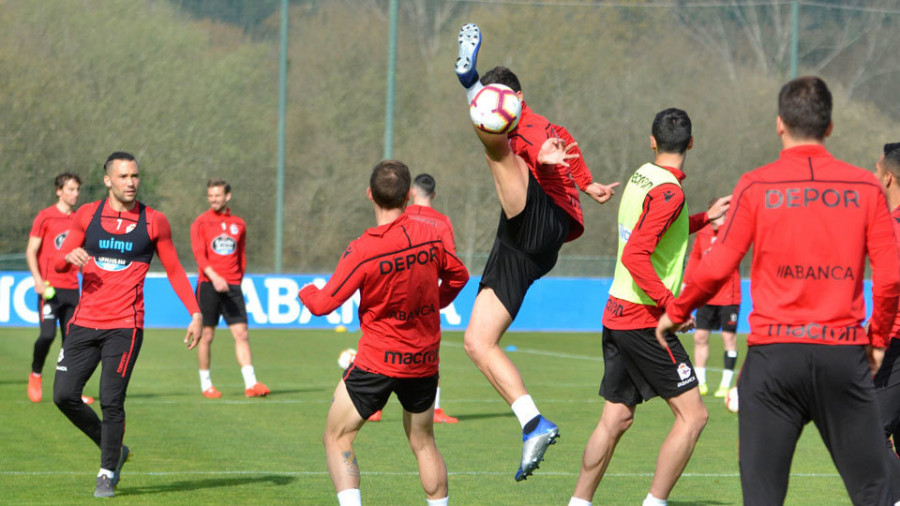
192,450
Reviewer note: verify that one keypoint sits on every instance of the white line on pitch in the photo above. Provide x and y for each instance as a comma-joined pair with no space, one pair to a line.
385,473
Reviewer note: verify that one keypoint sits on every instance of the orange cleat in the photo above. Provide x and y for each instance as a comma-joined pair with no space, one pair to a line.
257,390
212,393
34,387
87,400
441,417
376,416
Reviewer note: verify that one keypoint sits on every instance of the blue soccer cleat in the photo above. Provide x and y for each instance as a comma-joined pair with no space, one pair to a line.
534,444
469,44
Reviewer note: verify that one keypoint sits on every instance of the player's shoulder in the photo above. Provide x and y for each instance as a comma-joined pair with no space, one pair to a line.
154,215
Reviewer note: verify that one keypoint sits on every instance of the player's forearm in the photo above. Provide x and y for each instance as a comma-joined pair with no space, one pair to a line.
317,301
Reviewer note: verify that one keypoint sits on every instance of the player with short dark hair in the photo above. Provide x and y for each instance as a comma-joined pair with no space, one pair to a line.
113,241
654,226
812,220
57,293
887,379
405,276
219,242
537,170
720,313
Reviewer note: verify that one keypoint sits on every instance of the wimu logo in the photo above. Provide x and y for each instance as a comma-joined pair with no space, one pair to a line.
117,245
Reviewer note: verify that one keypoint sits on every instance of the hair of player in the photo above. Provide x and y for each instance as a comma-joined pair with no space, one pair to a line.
219,182
672,131
892,158
389,183
501,75
425,183
65,177
804,106
118,155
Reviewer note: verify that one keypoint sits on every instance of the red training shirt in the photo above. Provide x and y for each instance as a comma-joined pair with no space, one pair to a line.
52,226
558,181
662,205
437,220
219,241
895,215
396,268
730,292
112,300
812,220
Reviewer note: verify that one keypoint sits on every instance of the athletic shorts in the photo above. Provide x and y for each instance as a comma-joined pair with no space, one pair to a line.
229,304
711,317
59,308
887,390
369,391
637,368
526,247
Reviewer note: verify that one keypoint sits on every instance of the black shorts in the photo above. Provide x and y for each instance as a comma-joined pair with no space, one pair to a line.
58,309
526,247
782,388
887,390
369,391
711,317
636,368
229,304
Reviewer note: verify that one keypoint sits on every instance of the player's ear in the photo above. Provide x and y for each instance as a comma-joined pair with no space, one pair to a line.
691,142
369,194
107,181
653,143
779,126
829,129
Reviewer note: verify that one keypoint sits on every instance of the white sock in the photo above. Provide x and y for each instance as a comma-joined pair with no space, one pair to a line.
701,374
249,376
726,378
439,502
473,90
437,399
349,497
578,502
525,409
652,501
105,472
205,380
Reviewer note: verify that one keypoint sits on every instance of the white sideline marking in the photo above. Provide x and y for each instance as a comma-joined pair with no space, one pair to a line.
394,473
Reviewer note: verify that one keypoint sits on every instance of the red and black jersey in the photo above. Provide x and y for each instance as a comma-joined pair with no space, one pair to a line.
437,220
219,241
558,181
895,217
730,292
661,207
396,267
121,246
52,225
812,220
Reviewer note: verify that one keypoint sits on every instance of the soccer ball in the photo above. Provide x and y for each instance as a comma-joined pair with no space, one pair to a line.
495,109
346,358
731,400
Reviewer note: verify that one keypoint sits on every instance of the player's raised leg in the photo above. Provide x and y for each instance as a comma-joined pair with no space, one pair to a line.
419,429
341,427
466,61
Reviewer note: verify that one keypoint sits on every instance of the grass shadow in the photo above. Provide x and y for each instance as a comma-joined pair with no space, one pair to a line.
205,483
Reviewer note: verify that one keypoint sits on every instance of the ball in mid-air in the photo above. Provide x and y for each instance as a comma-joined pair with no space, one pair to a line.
731,400
495,109
346,358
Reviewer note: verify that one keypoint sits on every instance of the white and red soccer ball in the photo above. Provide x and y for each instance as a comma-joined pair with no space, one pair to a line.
731,400
495,109
346,358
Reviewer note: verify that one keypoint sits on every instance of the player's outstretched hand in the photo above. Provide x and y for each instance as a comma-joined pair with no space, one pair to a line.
78,256
601,192
719,208
193,331
554,151
875,356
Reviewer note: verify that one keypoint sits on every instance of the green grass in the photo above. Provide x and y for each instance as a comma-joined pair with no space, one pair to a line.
191,450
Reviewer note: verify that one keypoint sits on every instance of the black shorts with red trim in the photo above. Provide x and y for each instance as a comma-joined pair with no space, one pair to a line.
370,391
712,317
229,304
637,368
526,247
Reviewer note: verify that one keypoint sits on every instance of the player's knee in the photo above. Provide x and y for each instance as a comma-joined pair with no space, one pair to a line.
65,397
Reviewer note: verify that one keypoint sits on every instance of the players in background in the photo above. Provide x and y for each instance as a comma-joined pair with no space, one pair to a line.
653,234
219,239
113,241
812,220
887,380
57,293
397,266
720,313
423,194
540,210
